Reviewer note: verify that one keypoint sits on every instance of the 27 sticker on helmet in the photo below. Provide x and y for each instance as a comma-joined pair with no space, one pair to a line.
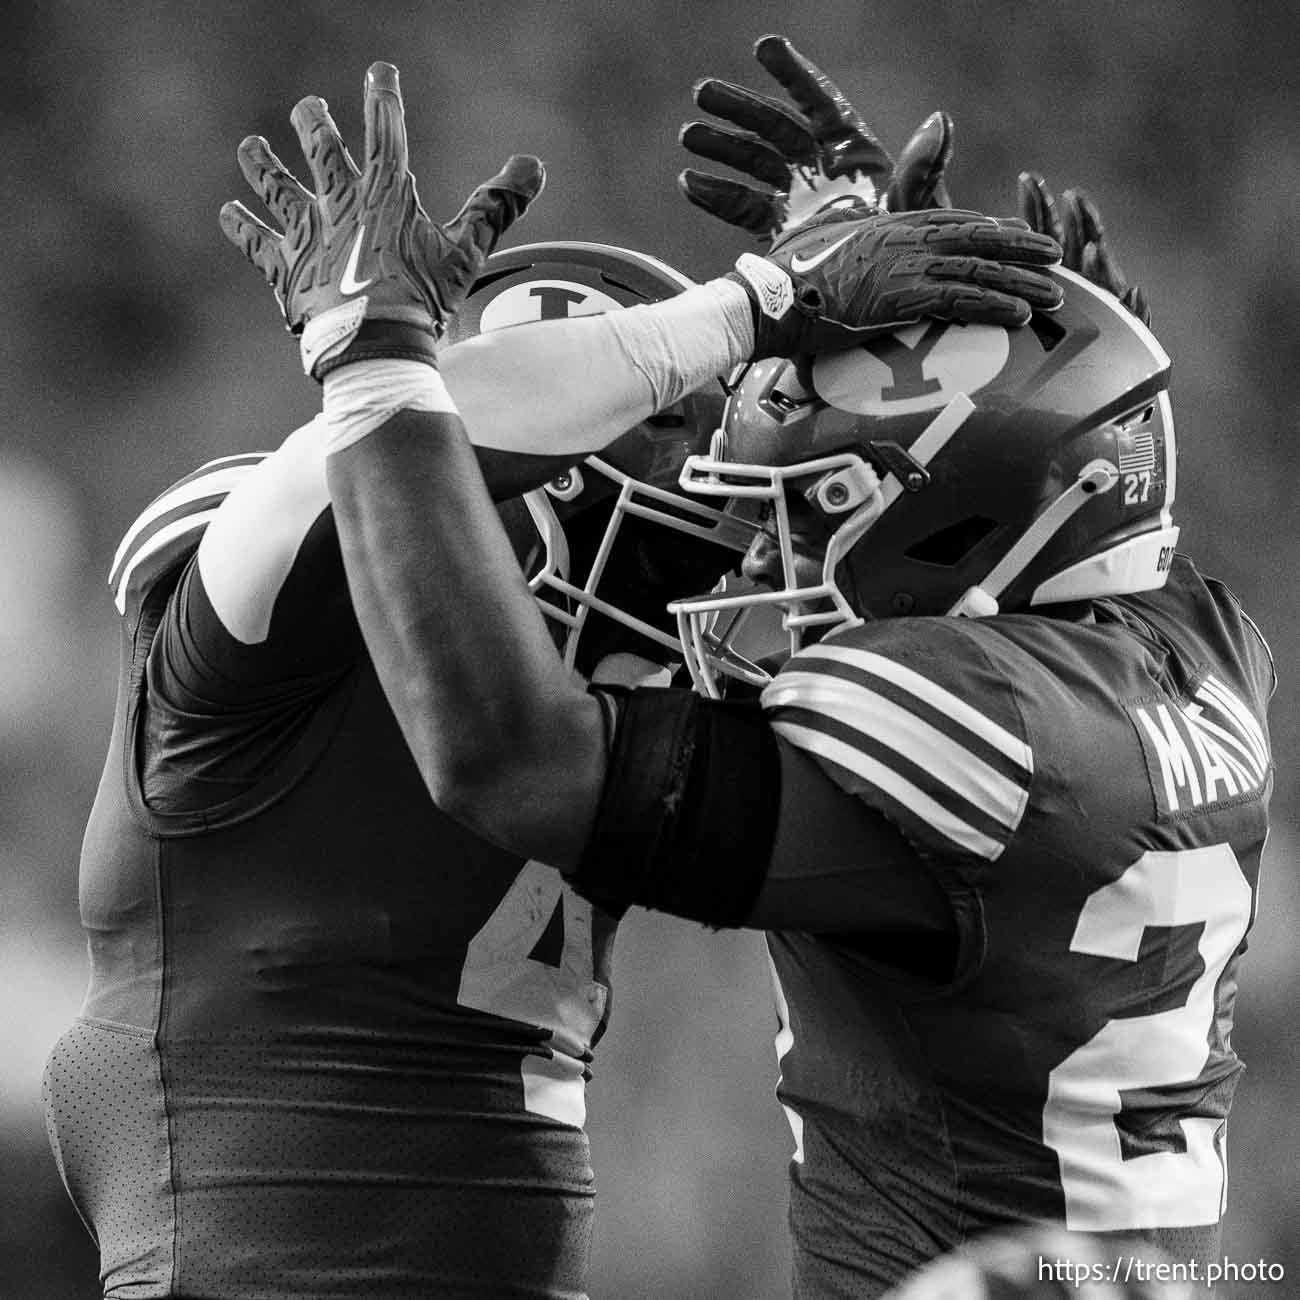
920,367
1117,308
535,300
1141,562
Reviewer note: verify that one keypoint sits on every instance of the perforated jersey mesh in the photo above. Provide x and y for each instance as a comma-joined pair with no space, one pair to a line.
275,1171
107,1126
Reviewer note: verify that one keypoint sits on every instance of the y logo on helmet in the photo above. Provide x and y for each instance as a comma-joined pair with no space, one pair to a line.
544,300
921,367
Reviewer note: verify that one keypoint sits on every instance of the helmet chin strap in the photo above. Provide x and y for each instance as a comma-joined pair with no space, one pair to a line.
1096,477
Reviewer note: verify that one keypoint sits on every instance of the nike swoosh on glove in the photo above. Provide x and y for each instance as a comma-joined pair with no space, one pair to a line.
844,278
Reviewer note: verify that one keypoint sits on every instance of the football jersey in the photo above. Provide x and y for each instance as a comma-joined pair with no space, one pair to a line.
333,1044
1092,796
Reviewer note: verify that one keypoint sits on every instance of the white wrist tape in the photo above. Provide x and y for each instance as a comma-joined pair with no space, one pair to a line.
361,397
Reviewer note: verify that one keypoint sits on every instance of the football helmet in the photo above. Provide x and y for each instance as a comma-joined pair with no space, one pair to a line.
615,534
949,469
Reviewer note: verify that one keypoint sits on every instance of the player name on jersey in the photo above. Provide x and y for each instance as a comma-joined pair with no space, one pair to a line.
1204,751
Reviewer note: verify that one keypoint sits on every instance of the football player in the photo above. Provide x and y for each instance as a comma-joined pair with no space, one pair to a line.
1002,810
332,1041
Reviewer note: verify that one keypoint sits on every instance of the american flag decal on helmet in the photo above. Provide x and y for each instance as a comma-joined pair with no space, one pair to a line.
168,529
934,764
1137,452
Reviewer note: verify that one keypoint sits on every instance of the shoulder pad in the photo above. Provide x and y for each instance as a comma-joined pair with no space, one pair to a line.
168,530
876,706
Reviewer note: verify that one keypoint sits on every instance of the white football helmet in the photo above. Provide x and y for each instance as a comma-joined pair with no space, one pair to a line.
616,535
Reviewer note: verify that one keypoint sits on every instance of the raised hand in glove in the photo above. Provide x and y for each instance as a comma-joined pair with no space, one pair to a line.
814,155
1076,225
839,280
360,271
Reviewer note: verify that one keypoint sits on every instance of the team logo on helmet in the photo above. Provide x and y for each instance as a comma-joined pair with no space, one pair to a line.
535,300
921,367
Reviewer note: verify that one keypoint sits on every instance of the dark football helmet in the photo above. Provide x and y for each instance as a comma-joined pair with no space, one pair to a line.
950,469
616,535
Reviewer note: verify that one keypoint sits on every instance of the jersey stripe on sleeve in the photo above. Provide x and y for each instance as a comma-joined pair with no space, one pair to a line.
170,526
931,761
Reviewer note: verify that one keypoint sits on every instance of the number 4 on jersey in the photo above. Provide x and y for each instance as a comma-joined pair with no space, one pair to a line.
500,976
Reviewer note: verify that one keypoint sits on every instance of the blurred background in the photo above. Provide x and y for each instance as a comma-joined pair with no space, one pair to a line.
140,344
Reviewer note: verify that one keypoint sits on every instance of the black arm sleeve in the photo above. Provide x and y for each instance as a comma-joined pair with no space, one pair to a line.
707,814
688,814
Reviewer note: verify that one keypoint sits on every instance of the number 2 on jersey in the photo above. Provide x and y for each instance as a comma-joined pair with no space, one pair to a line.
502,978
1163,1189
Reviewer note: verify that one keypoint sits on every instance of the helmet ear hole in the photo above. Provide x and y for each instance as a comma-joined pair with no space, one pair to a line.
1046,330
951,545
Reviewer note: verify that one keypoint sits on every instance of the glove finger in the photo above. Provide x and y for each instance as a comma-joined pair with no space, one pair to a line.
943,217
741,150
733,202
1103,270
952,301
1089,217
1072,236
1037,206
1136,301
387,159
1037,290
1098,264
987,307
830,115
959,233
967,303
1011,244
1093,268
273,182
767,118
497,204
918,173
257,241
332,168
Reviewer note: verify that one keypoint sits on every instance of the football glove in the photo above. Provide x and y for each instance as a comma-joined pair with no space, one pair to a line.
360,271
1076,226
815,155
843,278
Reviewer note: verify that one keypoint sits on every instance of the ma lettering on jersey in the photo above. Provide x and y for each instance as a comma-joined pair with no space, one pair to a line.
1203,752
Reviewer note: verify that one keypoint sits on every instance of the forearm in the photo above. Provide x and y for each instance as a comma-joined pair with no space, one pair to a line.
487,708
567,388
